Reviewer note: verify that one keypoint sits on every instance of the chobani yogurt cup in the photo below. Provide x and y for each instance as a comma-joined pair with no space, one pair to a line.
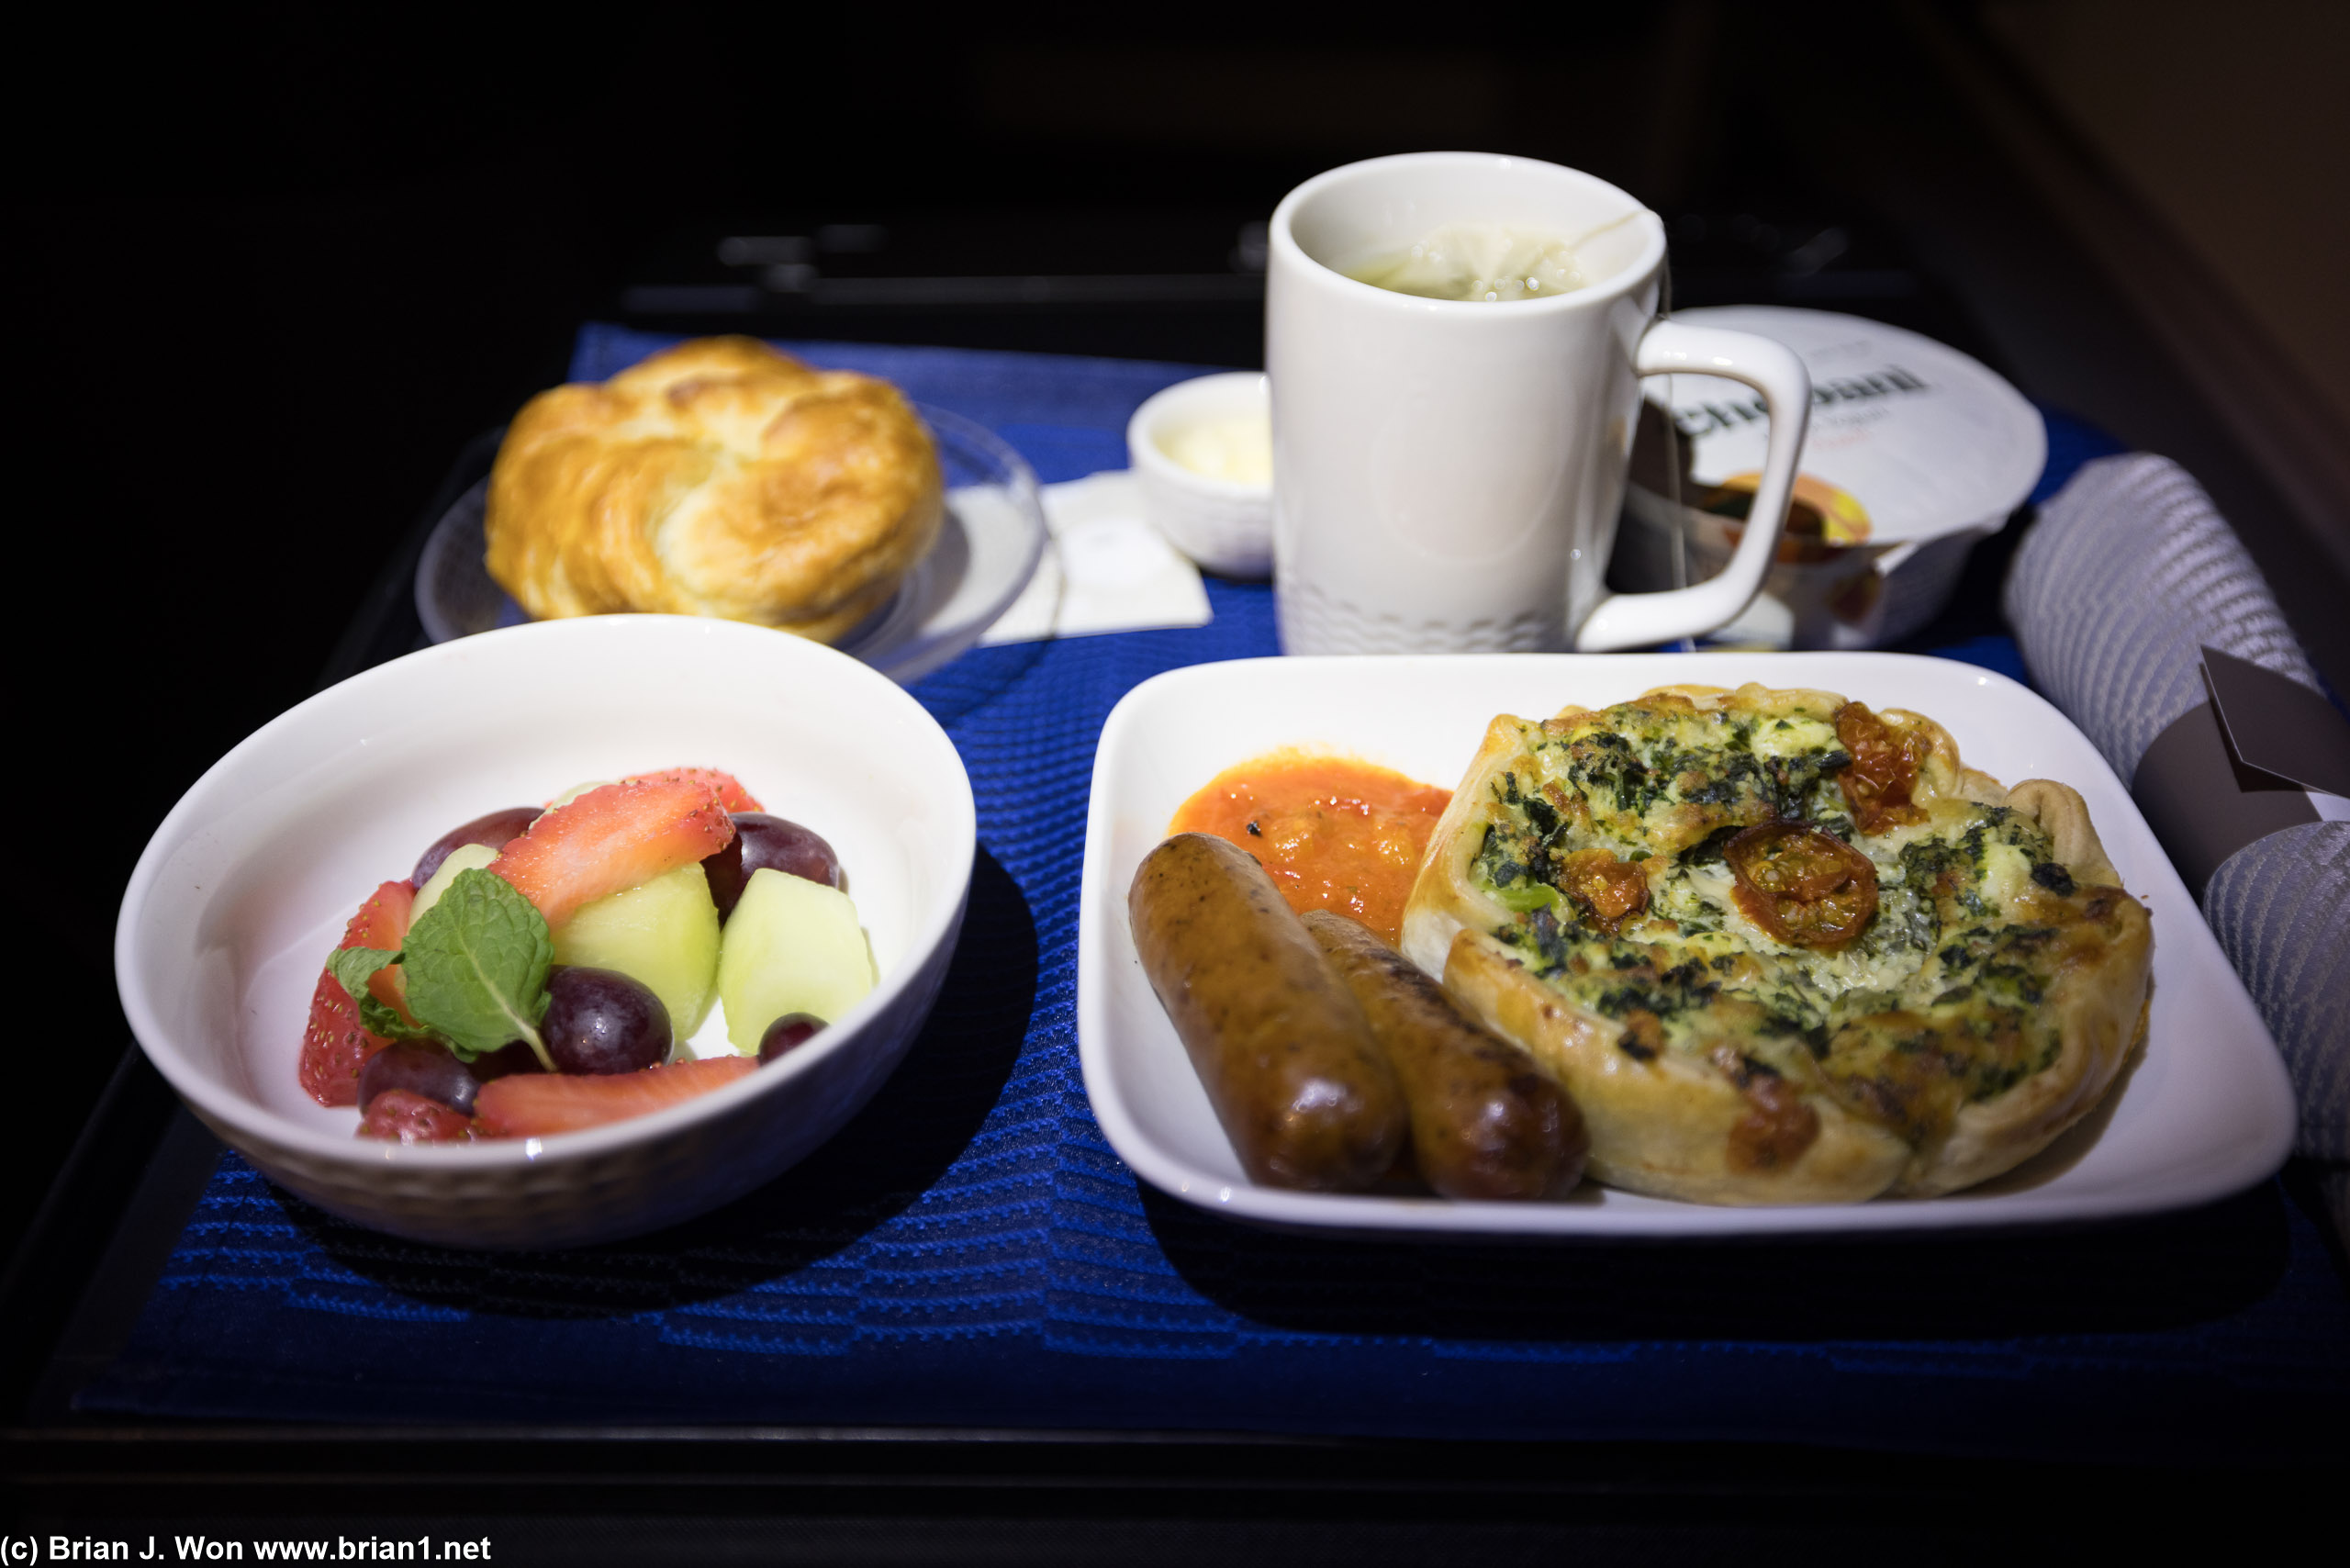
1915,453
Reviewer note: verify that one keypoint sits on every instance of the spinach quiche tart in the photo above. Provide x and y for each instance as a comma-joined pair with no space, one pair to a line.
1783,949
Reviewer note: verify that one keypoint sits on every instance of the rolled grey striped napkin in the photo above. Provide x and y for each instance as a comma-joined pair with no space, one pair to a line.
2281,911
2129,574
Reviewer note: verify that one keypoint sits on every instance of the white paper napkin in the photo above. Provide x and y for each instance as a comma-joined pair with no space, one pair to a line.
1105,569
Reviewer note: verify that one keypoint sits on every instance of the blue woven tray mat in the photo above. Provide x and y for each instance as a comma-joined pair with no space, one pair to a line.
969,1252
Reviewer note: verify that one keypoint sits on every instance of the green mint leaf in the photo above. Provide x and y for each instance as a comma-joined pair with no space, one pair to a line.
354,966
385,1023
476,966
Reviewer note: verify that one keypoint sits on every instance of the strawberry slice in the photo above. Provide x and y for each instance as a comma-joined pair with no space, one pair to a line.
401,1115
731,793
612,839
334,1047
532,1104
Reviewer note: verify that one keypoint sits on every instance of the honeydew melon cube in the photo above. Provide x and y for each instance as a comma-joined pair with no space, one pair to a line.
465,858
792,946
576,791
662,934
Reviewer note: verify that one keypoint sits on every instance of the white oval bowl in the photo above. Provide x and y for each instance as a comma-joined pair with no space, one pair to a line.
1223,525
246,888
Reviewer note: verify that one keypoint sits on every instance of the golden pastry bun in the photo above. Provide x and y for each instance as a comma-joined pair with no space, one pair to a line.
718,477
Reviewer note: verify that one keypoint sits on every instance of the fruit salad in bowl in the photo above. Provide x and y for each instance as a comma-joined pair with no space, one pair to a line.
558,1023
627,947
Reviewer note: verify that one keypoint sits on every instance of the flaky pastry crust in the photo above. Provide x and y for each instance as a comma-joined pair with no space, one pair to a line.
718,477
1774,1074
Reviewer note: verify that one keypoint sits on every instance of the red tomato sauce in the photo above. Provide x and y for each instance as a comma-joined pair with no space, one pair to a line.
1333,833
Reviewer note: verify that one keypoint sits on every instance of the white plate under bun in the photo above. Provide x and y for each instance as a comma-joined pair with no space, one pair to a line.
246,887
2206,1111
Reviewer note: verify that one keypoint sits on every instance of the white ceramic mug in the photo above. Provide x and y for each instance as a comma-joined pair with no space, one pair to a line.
1446,473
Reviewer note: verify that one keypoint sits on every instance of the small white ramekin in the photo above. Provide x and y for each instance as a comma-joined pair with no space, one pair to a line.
1225,526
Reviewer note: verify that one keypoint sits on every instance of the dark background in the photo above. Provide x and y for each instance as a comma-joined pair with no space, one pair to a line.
273,273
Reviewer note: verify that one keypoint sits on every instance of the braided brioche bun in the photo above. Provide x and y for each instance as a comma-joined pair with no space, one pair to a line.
718,477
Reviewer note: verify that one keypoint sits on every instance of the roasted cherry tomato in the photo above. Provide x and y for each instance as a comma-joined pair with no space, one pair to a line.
1805,888
1883,770
1610,890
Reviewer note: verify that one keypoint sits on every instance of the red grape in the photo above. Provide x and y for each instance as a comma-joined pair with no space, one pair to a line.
762,843
599,1021
495,831
788,1032
420,1067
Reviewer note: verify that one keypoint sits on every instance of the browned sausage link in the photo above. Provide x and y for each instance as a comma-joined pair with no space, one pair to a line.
1302,1089
1486,1122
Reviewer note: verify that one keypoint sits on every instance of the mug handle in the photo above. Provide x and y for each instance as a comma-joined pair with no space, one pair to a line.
1637,620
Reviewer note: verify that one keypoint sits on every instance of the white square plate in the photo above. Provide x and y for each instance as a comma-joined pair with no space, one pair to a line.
2206,1109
